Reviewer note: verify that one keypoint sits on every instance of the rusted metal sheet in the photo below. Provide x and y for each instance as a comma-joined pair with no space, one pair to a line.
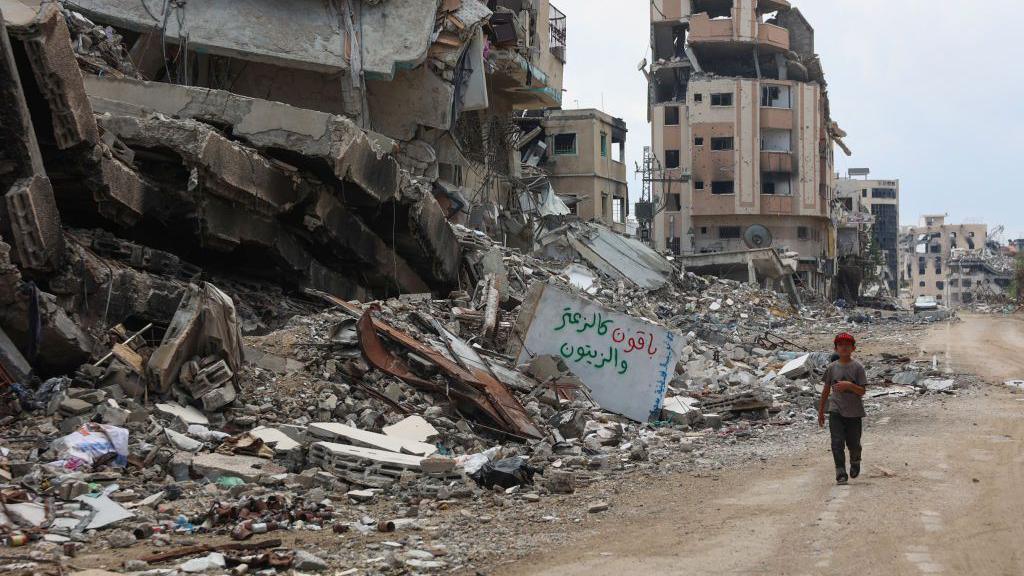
474,388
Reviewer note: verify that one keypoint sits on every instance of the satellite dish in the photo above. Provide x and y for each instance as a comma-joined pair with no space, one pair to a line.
757,236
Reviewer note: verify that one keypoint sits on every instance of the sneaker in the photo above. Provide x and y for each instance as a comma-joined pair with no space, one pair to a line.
841,477
854,469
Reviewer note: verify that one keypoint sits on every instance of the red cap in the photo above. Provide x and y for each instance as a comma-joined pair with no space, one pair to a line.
845,337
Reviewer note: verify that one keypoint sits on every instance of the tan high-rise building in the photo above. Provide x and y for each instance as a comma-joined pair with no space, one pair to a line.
741,126
880,199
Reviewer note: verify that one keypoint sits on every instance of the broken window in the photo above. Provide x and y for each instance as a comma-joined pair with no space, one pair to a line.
698,141
938,265
803,233
778,184
968,283
698,185
451,173
721,99
565,144
940,285
673,203
604,204
775,97
922,284
864,193
776,140
935,248
884,193
618,145
723,187
604,145
671,159
698,97
671,115
729,232
954,283
722,143
847,203
922,265
704,230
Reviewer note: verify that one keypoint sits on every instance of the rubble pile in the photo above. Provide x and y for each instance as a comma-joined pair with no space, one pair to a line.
363,419
232,329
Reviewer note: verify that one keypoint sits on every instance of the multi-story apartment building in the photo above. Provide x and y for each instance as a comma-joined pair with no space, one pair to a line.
925,253
741,125
881,199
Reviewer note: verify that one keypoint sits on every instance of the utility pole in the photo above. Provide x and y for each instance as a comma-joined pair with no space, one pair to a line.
651,202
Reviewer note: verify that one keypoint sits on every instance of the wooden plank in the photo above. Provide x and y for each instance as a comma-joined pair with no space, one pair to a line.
129,357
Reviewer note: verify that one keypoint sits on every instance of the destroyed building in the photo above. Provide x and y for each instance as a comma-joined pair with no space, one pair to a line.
956,264
741,132
881,200
583,154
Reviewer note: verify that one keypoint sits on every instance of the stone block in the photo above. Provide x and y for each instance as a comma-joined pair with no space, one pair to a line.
248,468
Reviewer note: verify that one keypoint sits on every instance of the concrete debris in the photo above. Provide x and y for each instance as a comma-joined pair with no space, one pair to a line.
249,283
796,368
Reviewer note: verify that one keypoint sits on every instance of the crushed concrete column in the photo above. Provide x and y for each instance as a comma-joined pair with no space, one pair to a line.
28,214
48,48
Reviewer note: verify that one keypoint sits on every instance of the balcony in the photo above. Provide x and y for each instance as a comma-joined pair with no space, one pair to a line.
776,205
707,31
780,162
777,118
773,36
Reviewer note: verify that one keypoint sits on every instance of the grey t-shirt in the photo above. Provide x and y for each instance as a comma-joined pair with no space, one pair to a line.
846,404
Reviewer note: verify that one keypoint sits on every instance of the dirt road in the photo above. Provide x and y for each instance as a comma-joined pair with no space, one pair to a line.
947,502
989,346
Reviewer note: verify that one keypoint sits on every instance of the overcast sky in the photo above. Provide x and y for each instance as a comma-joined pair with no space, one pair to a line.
929,92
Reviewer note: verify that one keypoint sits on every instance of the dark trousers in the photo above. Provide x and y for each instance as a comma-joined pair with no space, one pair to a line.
845,434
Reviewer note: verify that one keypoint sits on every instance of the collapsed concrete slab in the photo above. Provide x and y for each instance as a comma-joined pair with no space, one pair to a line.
330,146
224,168
330,143
302,34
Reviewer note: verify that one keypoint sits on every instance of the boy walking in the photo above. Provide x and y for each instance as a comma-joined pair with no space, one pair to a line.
844,385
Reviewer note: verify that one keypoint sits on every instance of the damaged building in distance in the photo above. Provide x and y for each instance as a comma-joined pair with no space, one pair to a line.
742,133
867,213
956,264
582,152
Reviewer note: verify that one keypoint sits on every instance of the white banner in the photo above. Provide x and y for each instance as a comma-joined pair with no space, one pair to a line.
626,362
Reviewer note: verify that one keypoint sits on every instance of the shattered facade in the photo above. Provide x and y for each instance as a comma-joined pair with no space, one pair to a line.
875,203
956,264
582,152
742,132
